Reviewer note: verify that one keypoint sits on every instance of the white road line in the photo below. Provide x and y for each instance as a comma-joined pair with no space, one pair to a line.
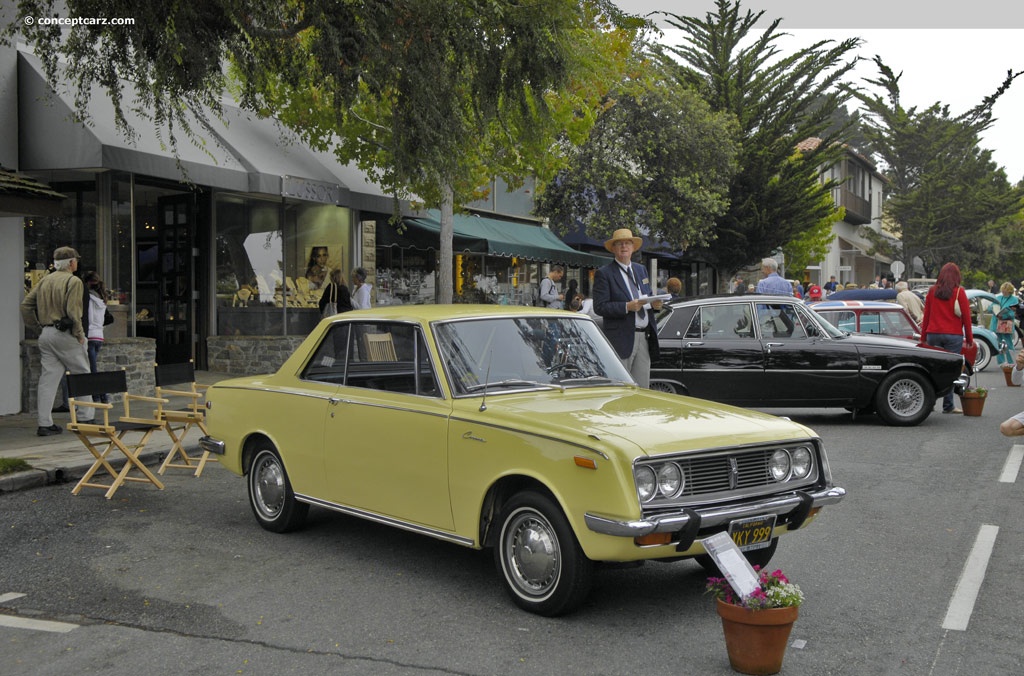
10,596
1012,466
966,593
16,622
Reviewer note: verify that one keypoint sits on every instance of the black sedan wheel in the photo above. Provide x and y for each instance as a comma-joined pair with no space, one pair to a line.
904,399
664,386
544,569
270,494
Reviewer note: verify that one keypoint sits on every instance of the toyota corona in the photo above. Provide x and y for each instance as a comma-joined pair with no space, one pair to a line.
516,430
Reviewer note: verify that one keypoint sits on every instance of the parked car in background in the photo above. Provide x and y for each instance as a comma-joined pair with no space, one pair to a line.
516,429
984,338
773,351
871,317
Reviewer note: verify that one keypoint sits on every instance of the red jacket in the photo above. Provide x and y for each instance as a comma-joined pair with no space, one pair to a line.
940,318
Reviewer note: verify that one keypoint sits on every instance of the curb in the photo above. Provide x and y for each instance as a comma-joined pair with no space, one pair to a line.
36,478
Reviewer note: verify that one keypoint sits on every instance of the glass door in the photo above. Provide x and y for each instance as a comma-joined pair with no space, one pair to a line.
175,280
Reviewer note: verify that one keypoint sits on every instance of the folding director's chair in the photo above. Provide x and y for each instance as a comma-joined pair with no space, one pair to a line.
176,384
102,438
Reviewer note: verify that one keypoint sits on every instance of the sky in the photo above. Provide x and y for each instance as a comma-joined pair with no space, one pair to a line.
955,54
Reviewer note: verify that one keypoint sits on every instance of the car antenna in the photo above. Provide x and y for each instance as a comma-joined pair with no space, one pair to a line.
487,381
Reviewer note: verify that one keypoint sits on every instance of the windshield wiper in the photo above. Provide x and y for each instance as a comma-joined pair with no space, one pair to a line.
513,382
603,380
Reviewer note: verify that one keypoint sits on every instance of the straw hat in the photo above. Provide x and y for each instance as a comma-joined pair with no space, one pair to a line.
621,234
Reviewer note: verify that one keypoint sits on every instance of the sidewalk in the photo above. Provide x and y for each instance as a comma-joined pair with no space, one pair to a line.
62,457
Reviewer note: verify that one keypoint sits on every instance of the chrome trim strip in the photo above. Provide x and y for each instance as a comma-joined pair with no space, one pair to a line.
211,445
709,517
532,434
387,521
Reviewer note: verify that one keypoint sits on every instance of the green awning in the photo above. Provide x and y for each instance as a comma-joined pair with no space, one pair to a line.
496,237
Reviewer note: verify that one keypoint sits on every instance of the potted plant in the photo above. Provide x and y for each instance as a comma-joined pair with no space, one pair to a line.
972,401
757,626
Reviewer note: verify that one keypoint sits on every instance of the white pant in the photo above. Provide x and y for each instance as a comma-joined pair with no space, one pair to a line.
638,363
59,351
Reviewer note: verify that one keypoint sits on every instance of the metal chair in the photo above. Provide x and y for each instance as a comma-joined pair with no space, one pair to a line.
110,435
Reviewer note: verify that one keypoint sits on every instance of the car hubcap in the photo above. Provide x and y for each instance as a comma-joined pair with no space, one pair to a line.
268,482
906,398
533,554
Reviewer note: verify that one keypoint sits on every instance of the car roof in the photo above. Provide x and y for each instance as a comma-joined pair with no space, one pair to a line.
734,297
429,313
862,304
864,294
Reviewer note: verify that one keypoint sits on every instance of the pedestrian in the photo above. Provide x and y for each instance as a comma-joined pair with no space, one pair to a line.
621,289
947,319
739,287
830,285
550,296
813,293
1003,311
55,304
674,286
336,297
910,301
772,282
360,290
571,295
95,318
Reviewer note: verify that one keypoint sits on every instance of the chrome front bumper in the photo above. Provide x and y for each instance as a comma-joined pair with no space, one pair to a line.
211,445
710,517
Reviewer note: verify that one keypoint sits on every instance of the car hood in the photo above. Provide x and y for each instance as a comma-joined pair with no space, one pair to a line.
639,421
876,342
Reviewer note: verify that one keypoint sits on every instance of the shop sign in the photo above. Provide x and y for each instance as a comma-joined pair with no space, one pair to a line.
311,191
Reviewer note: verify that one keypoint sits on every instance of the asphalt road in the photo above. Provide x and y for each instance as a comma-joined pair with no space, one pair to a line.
183,581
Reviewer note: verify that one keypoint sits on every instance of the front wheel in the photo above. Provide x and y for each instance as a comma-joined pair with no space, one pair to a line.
904,399
270,494
664,386
541,563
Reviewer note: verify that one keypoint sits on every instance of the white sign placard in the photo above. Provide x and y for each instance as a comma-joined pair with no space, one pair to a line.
732,563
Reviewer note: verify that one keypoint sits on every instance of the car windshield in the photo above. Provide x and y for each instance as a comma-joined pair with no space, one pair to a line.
514,353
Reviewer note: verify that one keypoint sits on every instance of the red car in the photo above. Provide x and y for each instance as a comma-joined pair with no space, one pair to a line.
867,316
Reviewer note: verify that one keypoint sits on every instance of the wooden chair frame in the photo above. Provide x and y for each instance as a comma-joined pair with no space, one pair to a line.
111,434
380,347
181,419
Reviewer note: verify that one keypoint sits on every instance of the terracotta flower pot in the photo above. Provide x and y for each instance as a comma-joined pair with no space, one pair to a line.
756,639
972,403
1008,374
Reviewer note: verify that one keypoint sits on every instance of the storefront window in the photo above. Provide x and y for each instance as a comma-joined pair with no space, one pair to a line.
76,227
270,274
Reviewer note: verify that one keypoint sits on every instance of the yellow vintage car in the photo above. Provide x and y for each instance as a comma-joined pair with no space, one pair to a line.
516,429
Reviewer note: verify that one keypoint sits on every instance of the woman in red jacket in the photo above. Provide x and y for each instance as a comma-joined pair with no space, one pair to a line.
947,319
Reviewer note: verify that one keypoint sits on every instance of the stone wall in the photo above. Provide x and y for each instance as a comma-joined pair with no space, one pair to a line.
249,355
136,355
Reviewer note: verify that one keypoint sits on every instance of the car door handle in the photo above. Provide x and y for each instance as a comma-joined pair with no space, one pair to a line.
695,344
771,345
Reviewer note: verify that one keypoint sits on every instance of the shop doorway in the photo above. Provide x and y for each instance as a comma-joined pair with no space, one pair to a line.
167,278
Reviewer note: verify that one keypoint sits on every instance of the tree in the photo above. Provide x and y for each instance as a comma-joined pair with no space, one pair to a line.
945,192
778,101
432,97
657,158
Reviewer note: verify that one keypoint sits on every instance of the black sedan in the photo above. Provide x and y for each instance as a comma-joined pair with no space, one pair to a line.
772,351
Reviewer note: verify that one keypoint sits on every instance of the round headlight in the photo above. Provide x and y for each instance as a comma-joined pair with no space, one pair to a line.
801,458
670,480
646,483
779,465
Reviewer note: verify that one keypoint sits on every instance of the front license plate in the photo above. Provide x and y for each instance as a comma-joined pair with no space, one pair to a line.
752,533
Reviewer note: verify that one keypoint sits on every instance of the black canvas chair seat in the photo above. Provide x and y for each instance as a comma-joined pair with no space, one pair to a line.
105,437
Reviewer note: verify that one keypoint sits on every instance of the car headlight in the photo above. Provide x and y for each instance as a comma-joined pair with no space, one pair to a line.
801,459
670,480
779,465
646,483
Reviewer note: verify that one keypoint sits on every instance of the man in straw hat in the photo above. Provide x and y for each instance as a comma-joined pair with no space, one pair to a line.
56,304
620,296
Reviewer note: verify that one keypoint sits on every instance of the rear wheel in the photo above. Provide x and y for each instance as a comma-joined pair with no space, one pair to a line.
664,386
541,563
270,493
904,399
984,355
